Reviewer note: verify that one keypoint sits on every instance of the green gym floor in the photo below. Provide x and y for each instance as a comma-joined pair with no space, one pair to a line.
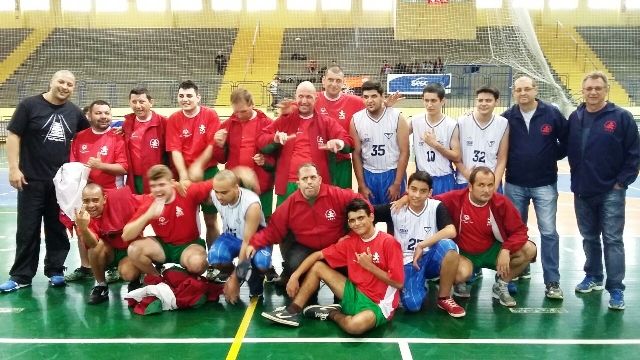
41,322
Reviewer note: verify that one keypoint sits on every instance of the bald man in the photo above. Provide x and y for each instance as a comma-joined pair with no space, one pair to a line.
39,142
303,136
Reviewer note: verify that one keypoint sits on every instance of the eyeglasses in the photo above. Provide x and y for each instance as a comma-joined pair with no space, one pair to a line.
527,89
597,89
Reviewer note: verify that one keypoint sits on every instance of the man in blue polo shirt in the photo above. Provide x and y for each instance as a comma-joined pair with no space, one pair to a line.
532,172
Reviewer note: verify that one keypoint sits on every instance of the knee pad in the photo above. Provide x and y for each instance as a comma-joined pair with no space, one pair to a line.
262,258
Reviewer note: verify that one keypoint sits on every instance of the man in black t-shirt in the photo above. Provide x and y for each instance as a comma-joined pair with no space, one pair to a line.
39,141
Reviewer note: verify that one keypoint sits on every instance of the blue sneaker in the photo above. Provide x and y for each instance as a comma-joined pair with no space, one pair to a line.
617,299
477,274
57,280
589,284
11,285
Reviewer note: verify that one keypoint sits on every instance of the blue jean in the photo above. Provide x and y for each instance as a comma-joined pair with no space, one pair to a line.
603,214
545,204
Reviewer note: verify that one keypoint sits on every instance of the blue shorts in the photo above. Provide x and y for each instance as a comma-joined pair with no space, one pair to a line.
227,247
414,291
379,183
443,184
465,185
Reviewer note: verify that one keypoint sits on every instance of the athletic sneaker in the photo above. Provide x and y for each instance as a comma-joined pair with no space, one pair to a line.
281,316
320,311
477,274
135,284
461,290
243,270
211,274
11,285
513,289
501,293
616,302
98,295
57,280
449,305
553,290
271,275
111,275
80,273
524,275
589,284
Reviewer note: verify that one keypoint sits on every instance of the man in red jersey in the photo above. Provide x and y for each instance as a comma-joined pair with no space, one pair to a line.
303,136
314,214
236,145
103,236
190,133
104,152
144,136
370,294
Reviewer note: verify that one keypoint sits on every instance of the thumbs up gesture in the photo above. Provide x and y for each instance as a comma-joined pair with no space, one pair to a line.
95,163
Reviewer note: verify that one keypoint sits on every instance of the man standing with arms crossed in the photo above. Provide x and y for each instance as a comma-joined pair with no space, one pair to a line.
39,141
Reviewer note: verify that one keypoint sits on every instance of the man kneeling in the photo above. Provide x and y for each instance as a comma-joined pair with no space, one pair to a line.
100,224
371,293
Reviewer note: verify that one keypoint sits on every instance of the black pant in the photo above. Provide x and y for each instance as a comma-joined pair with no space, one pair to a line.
37,202
295,255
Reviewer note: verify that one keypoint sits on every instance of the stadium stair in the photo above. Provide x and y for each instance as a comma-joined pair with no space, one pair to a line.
12,62
263,67
560,51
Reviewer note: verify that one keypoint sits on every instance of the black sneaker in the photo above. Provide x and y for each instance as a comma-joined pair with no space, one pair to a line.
271,275
98,295
281,316
320,311
134,285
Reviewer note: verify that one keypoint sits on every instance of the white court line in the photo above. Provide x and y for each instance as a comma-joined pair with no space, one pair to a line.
327,340
405,352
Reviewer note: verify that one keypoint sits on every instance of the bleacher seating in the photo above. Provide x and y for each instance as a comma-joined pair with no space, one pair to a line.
11,38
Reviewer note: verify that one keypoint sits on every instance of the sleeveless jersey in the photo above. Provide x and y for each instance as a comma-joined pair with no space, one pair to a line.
379,139
411,227
479,145
233,215
428,159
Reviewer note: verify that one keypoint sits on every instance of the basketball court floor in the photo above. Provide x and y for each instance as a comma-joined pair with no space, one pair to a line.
41,322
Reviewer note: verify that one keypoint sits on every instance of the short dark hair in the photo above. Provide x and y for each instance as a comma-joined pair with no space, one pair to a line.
358,204
98,102
479,169
489,90
434,88
188,84
421,176
334,69
140,90
373,85
86,109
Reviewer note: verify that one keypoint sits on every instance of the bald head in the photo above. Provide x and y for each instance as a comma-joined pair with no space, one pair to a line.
62,85
525,91
63,73
225,187
226,175
306,98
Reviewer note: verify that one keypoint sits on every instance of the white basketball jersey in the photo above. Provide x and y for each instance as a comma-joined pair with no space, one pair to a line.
479,145
411,227
427,158
233,215
379,139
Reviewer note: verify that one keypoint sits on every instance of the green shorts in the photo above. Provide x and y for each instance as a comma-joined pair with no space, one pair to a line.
486,259
341,174
291,188
118,255
266,201
354,302
138,182
172,253
209,209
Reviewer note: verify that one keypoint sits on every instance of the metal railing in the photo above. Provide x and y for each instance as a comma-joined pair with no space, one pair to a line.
250,60
586,57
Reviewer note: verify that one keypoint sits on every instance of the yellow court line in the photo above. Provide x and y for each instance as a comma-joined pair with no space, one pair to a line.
242,330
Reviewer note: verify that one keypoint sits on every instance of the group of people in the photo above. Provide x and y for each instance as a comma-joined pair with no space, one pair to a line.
442,224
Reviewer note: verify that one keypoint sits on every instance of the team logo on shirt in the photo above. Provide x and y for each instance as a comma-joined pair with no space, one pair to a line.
367,138
466,219
427,229
56,129
320,140
154,143
162,220
104,151
342,115
84,149
185,133
491,143
388,135
404,231
469,141
421,143
323,111
179,211
376,258
545,129
202,129
610,126
330,214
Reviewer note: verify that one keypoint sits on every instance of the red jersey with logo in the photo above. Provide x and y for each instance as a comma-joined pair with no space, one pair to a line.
113,239
475,235
111,149
341,109
177,224
136,144
301,149
387,256
192,135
